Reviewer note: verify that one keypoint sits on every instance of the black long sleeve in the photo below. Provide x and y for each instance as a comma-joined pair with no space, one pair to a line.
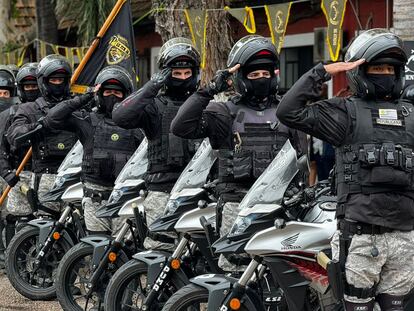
190,122
324,119
139,111
60,116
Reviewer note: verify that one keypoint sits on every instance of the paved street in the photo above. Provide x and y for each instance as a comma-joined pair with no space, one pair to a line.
11,300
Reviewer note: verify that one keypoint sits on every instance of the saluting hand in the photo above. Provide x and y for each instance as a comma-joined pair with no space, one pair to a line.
336,68
221,81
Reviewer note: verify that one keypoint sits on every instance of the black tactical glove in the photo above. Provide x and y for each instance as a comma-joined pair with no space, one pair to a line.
219,82
84,99
158,79
11,178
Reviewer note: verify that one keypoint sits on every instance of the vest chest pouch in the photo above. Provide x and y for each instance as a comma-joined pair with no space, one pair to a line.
385,165
56,144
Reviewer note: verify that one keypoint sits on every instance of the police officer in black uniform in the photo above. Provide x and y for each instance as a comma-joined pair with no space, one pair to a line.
106,146
152,109
373,132
244,130
49,146
8,92
17,204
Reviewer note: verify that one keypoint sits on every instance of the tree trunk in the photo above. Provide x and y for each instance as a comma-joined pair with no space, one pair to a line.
171,24
404,19
47,28
4,17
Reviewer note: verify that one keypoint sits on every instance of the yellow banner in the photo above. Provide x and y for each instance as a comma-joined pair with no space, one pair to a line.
245,16
197,21
277,19
334,11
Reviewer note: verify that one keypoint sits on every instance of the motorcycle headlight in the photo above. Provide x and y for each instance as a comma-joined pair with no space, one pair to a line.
242,223
171,206
115,196
59,181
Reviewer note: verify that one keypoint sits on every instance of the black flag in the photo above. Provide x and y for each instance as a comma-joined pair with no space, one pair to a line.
114,45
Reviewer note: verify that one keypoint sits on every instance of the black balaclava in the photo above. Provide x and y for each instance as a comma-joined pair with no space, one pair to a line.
32,95
179,88
383,84
108,102
260,90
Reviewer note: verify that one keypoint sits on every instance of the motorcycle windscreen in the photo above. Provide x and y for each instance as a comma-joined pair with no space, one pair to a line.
271,185
196,172
73,158
136,166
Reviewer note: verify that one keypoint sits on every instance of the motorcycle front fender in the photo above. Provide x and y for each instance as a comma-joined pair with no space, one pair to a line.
100,244
219,286
45,228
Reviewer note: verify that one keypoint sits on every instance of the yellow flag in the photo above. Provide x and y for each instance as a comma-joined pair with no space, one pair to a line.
245,16
197,21
334,11
277,19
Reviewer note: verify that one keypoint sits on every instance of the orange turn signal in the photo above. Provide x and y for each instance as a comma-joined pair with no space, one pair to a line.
56,235
112,256
175,264
235,304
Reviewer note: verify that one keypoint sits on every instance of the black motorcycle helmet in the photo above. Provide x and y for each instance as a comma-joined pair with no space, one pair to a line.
56,66
113,77
8,81
180,53
27,75
376,46
13,68
253,52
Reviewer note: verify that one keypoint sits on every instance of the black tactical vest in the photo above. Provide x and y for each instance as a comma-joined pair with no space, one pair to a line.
258,137
378,156
50,146
111,149
168,153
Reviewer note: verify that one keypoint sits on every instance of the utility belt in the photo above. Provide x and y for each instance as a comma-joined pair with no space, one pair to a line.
96,195
359,228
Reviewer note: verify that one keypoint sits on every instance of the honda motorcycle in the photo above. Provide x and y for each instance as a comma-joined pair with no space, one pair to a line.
86,269
146,281
36,250
283,236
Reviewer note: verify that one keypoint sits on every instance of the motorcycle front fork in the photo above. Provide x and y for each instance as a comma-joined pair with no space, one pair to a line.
254,271
109,256
54,235
173,263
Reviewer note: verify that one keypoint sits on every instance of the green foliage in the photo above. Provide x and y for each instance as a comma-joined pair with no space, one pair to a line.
9,46
88,15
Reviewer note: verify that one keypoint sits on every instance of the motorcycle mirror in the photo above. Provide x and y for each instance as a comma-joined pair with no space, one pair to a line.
303,164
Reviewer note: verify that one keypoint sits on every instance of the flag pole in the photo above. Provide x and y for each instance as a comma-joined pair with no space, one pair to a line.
19,170
117,7
95,42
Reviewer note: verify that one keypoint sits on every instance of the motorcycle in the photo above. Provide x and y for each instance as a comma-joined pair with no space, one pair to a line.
147,280
283,236
85,270
35,251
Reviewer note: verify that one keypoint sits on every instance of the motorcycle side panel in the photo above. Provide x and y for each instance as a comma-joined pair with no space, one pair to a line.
296,236
190,221
290,281
218,286
100,244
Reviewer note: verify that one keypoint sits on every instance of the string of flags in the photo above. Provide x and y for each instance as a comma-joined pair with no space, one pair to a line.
277,19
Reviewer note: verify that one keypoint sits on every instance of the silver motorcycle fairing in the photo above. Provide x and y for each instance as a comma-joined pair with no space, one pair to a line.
295,236
190,221
218,286
136,167
195,173
73,159
45,227
155,261
73,194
